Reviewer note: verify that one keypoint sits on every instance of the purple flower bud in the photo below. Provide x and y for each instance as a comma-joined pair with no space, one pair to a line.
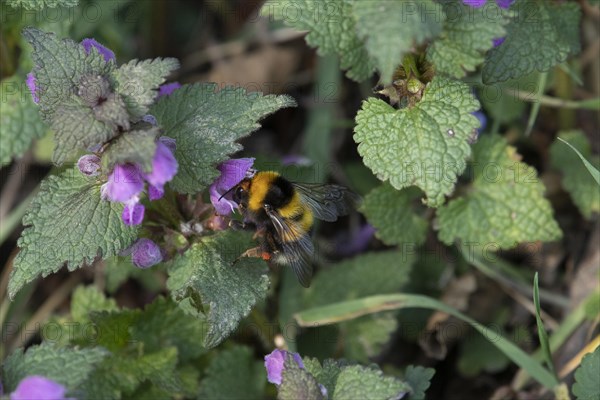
474,3
504,3
107,53
498,41
274,363
155,192
357,242
164,165
482,120
89,165
479,3
144,253
232,172
38,388
124,182
31,84
151,119
323,390
133,213
169,142
168,88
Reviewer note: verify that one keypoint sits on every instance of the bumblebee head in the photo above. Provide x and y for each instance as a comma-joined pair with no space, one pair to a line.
240,192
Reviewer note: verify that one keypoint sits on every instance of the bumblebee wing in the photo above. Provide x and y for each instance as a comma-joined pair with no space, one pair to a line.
327,202
296,247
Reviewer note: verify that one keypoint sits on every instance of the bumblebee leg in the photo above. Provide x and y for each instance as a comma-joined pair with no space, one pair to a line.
255,252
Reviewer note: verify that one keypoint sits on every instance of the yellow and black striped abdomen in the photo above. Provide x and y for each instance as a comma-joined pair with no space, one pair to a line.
268,187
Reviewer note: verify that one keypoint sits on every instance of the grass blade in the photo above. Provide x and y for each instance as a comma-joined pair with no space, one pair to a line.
338,312
595,173
542,335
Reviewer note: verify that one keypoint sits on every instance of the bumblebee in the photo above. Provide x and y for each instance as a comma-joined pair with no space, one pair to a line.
282,214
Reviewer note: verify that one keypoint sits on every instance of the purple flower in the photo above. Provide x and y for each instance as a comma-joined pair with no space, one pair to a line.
479,3
504,3
124,183
232,172
31,84
482,120
151,119
357,242
474,3
323,390
164,164
498,41
38,388
107,53
274,363
133,212
155,192
144,253
89,165
168,88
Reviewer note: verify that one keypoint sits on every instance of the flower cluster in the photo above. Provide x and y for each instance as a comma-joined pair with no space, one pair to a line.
232,172
127,181
87,44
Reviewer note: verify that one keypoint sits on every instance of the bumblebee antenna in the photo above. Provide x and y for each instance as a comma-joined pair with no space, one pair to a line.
224,194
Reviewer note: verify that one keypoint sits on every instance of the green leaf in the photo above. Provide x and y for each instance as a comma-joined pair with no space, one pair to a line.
205,281
20,120
136,146
234,374
123,374
419,380
119,269
502,104
365,337
390,29
467,34
67,366
60,66
332,30
75,128
506,205
578,178
163,324
65,74
347,310
425,145
159,325
358,382
540,35
297,383
478,355
206,124
68,223
587,386
39,5
327,374
138,81
391,213
86,299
